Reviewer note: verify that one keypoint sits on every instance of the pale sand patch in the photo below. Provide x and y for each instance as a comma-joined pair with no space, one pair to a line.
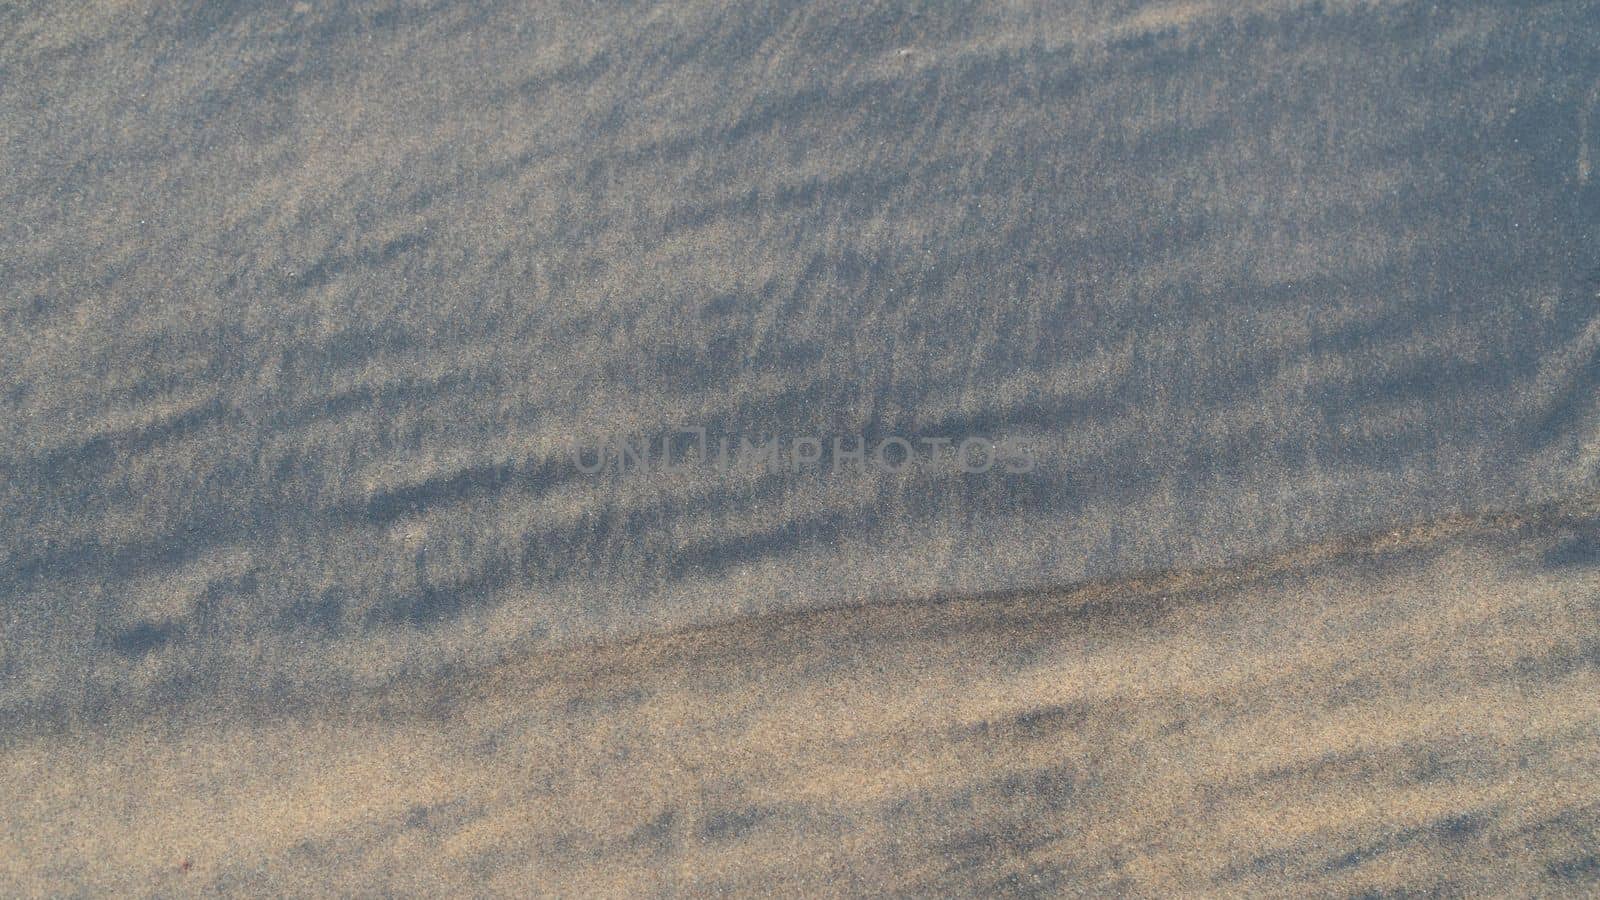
1413,711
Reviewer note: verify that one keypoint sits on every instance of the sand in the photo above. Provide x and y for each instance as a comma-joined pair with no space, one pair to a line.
1410,713
1295,305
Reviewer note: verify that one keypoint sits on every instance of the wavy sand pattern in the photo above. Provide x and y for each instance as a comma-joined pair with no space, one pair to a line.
304,303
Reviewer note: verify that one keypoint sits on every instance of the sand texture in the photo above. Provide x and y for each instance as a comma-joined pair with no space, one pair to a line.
1411,713
303,306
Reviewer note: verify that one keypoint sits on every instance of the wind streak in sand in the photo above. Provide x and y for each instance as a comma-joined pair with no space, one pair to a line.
1415,711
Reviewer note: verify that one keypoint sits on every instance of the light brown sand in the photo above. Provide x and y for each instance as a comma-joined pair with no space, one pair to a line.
1417,711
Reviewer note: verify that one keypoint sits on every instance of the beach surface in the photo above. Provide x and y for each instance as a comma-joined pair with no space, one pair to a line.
1408,714
1292,305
